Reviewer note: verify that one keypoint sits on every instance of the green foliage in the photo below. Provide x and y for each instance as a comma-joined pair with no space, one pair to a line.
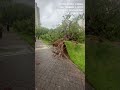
40,31
68,29
21,19
25,26
14,12
102,18
26,29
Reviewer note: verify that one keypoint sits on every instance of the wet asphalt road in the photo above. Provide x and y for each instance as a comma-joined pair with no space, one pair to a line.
17,63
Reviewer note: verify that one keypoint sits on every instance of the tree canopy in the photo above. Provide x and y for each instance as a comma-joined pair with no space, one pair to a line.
102,18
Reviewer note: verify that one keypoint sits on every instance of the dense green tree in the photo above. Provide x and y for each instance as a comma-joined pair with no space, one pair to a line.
102,18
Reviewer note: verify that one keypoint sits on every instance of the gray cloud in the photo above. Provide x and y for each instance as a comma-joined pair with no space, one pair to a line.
50,16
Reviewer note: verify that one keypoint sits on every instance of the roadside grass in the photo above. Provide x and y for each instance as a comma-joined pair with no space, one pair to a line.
102,65
27,38
77,54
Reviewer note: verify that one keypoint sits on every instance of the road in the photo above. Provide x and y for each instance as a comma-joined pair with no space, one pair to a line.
17,61
55,74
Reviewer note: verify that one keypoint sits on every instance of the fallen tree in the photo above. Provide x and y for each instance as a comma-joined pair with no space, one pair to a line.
59,48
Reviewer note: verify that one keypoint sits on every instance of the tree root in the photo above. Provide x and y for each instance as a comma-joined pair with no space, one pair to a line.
59,49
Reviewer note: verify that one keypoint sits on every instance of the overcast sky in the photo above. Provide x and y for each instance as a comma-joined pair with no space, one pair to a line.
50,14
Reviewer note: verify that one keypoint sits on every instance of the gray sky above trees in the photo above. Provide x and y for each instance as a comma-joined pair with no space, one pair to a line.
50,13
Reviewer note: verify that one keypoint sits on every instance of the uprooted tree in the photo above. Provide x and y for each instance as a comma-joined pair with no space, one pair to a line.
69,30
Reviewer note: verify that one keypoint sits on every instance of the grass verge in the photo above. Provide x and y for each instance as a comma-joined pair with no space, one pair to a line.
27,38
102,65
77,54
